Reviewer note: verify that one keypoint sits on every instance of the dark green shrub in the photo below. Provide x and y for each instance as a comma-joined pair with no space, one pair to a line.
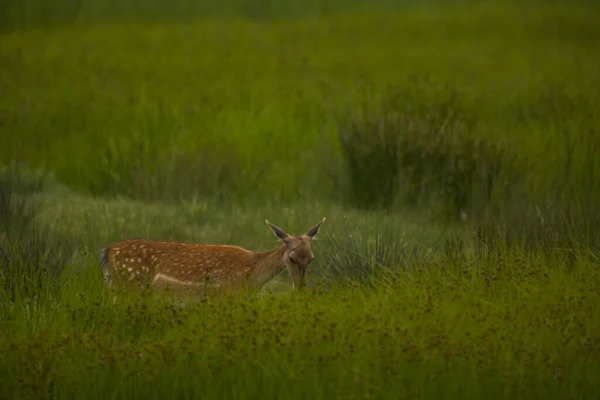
33,254
426,154
444,163
16,190
370,149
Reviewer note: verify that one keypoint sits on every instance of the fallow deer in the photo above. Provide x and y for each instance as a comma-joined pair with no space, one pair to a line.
197,267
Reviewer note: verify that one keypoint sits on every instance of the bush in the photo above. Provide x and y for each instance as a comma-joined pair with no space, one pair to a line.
33,254
423,154
427,154
370,150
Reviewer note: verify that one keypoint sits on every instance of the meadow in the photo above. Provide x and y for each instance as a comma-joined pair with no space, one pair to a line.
452,146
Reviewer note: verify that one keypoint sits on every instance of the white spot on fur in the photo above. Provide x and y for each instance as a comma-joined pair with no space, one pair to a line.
162,277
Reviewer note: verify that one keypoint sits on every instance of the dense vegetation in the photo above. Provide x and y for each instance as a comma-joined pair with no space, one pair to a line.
453,149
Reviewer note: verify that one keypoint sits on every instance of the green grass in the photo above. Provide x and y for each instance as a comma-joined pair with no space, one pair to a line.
452,148
18,15
212,107
456,326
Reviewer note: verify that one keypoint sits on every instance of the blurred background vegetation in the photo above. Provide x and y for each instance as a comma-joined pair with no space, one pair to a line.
473,111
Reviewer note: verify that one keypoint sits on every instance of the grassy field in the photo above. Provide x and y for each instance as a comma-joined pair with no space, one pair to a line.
453,148
240,108
438,324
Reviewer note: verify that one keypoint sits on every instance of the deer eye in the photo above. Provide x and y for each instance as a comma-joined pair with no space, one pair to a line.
292,260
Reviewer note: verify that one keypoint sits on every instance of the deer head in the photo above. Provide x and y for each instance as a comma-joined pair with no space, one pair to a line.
298,253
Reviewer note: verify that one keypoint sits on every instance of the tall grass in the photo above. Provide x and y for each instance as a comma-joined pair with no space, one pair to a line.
232,110
434,337
35,13
452,148
33,256
396,322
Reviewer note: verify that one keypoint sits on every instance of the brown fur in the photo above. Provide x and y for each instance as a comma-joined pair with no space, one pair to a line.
196,267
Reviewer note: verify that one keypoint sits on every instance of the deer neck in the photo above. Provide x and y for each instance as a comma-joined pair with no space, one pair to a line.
268,265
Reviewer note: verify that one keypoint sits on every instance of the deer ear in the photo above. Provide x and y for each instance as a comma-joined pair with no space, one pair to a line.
281,235
314,230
